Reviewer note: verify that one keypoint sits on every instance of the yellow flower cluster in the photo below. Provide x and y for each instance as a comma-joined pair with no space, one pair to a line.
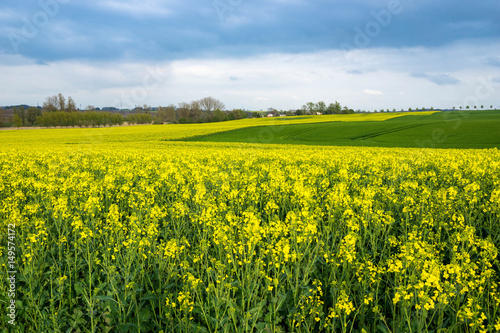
177,236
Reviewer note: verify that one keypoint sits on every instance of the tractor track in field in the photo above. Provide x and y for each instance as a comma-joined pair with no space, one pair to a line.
388,131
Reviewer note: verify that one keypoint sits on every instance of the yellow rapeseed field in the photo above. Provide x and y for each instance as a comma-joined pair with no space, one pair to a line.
124,232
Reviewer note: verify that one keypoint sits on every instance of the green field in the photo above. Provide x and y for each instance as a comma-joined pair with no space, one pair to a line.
459,129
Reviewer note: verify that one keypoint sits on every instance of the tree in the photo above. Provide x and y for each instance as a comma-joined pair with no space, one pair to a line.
209,104
32,114
61,102
171,116
183,111
219,115
161,115
18,121
166,114
137,118
195,111
71,106
19,118
311,107
237,114
334,108
21,114
346,110
255,114
321,107
50,104
2,112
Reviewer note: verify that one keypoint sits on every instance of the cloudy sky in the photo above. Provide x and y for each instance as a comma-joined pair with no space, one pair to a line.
366,54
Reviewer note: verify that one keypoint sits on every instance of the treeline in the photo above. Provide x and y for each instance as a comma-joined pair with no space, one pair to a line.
139,118
205,110
35,117
187,115
57,111
2,117
81,119
323,108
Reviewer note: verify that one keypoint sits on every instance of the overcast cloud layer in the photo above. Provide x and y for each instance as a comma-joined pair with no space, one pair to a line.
252,54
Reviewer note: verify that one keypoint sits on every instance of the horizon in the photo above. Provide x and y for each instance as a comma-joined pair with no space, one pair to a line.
155,108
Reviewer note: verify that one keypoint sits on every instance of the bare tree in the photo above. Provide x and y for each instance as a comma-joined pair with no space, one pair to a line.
166,114
183,110
195,110
209,104
195,105
61,102
171,113
71,106
50,104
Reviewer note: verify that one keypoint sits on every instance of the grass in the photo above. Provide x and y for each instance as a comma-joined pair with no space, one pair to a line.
478,129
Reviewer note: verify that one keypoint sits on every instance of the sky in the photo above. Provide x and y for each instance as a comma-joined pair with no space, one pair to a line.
252,54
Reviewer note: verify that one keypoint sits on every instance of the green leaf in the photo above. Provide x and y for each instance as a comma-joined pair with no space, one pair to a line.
148,297
382,328
80,290
105,298
129,327
144,315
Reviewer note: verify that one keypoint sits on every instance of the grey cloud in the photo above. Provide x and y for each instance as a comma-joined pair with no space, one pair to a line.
197,29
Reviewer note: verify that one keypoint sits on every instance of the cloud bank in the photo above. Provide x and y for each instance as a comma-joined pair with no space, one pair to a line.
252,54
